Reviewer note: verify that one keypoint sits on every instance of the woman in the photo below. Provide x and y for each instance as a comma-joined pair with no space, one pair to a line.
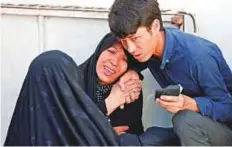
131,115
57,102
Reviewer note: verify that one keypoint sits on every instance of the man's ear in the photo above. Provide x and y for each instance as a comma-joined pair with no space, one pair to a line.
155,26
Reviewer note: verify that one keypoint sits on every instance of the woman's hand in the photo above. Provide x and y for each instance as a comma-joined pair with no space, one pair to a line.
116,98
119,96
130,91
121,129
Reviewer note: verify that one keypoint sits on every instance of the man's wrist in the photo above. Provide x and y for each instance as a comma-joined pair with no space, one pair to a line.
190,104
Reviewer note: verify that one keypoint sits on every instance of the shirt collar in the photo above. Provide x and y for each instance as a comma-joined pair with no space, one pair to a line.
168,47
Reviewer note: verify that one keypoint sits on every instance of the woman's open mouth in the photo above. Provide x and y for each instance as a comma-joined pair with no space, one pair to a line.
108,71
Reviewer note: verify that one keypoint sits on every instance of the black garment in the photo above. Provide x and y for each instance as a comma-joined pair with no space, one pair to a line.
56,105
53,109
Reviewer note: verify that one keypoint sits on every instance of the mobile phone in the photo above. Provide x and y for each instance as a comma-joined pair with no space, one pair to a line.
171,90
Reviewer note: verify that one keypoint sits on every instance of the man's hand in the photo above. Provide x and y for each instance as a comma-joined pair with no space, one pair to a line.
133,87
121,129
130,74
174,104
131,83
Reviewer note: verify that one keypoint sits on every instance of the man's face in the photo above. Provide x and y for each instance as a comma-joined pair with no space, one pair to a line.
140,44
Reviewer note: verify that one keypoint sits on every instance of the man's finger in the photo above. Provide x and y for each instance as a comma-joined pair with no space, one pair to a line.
169,98
124,79
132,85
136,89
132,96
173,109
167,103
137,94
128,100
133,81
159,103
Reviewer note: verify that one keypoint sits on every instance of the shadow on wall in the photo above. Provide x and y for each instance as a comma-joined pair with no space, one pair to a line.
153,115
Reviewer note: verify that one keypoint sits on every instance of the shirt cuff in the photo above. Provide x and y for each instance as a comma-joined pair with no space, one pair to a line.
203,104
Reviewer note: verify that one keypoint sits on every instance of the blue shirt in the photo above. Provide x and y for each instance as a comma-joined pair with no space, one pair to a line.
198,65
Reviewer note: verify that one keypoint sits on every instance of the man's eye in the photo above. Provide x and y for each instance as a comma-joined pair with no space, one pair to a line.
135,39
124,44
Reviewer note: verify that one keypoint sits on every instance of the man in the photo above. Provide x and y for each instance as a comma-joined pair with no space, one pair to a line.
203,113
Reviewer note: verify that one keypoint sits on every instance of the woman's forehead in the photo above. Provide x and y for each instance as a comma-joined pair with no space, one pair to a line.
117,45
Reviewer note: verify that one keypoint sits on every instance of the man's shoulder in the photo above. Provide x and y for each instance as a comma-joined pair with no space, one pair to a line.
193,44
185,36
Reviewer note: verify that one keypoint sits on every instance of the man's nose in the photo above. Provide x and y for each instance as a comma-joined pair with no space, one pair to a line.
131,47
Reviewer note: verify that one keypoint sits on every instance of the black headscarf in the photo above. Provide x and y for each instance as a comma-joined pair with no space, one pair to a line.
89,66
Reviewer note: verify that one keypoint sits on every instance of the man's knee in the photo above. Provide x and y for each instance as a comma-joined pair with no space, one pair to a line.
185,120
194,129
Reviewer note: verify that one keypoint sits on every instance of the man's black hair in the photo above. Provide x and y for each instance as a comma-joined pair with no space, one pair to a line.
127,15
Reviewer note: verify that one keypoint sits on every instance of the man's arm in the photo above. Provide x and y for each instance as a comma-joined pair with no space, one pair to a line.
217,102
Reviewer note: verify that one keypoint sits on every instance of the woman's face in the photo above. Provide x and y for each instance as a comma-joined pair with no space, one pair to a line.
111,64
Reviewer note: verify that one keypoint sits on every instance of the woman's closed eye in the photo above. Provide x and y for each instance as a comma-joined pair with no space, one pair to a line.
124,59
112,50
